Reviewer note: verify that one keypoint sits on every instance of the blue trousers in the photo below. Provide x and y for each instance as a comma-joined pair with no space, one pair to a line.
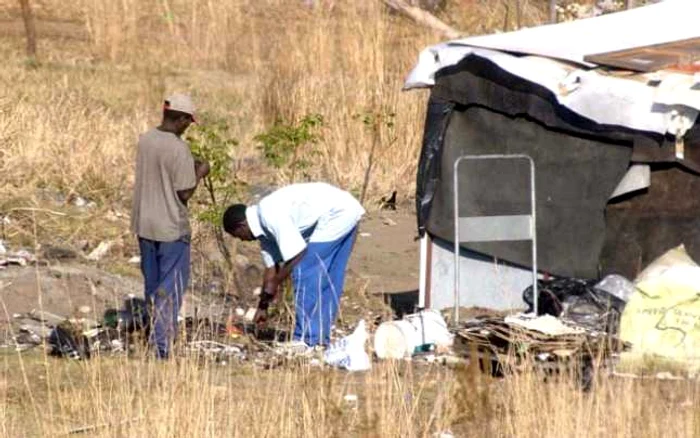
166,272
318,285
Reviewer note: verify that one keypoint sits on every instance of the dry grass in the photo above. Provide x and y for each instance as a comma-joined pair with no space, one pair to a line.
118,397
70,123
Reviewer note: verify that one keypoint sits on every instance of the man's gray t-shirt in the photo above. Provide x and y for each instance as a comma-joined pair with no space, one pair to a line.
164,166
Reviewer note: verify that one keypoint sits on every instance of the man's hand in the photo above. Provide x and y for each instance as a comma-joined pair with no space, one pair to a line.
201,169
260,317
266,297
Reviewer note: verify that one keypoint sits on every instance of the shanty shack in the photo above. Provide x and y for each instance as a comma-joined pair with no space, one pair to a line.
605,107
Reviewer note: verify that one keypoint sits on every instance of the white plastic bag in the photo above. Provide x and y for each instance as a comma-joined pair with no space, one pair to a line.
431,328
349,352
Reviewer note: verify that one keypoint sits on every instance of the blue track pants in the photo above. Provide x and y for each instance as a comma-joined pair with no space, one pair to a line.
318,285
166,272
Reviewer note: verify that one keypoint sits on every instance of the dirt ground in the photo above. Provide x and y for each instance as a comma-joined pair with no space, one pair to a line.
384,260
386,253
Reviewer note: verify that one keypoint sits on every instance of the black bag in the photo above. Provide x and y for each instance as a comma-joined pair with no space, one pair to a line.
578,301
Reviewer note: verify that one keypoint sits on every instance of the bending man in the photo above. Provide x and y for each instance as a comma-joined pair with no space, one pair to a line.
306,230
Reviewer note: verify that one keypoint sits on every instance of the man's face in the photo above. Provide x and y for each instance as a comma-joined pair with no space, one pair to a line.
183,123
242,231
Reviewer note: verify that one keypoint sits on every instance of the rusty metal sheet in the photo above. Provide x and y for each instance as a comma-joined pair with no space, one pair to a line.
683,55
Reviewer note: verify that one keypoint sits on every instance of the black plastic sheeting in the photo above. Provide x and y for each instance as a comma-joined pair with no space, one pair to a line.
578,301
477,108
436,123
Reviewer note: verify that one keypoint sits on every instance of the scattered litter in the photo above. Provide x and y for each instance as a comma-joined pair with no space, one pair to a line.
19,258
233,331
257,291
250,314
135,260
120,330
240,311
68,340
425,331
547,324
504,338
34,327
216,350
292,349
365,234
101,250
395,340
449,359
579,302
349,352
432,330
27,338
84,309
617,286
81,202
46,317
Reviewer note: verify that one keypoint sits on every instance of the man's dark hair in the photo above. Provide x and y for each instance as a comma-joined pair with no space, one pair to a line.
233,216
174,116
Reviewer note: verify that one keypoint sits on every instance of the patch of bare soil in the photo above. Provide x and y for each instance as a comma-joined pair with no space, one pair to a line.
62,290
386,255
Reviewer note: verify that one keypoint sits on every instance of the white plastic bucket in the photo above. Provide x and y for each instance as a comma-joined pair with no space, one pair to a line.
395,340
430,328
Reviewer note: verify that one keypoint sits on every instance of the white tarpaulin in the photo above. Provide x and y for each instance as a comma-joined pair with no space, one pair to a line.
668,21
669,104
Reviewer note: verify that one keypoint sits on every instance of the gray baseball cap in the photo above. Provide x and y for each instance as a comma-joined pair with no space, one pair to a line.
180,102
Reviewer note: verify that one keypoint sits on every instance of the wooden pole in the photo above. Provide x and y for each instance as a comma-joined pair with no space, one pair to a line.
506,17
552,11
29,27
423,17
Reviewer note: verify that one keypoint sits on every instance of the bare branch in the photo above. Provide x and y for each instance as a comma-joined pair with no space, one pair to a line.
29,27
424,18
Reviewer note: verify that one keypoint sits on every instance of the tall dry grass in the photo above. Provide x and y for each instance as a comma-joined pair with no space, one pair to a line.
119,397
73,121
70,124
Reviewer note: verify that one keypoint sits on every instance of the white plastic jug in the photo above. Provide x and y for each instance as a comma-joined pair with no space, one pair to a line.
395,340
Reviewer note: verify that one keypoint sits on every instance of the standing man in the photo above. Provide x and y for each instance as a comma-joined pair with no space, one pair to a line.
308,231
166,178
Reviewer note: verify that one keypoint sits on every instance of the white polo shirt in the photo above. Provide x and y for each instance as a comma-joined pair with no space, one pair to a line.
285,220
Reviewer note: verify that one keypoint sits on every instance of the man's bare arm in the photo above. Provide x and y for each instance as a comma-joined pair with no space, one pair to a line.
201,170
274,276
